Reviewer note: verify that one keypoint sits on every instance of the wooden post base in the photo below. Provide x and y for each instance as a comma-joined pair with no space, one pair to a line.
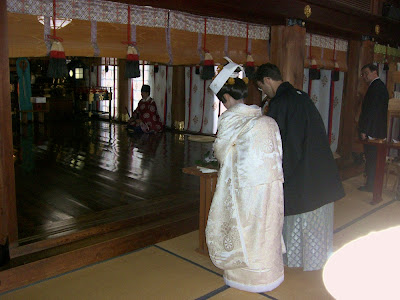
208,182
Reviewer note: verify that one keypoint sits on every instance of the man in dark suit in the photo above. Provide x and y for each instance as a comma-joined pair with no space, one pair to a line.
312,181
373,119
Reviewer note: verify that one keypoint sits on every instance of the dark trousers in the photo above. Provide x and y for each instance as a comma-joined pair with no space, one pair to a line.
370,164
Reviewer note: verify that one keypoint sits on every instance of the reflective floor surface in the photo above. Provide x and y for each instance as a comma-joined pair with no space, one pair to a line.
69,174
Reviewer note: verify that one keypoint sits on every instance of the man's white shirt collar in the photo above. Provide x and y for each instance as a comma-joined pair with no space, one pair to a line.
374,80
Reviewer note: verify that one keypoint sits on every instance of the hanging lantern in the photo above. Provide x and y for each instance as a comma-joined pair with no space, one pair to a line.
207,71
132,63
132,58
208,67
314,72
335,72
386,65
58,63
249,67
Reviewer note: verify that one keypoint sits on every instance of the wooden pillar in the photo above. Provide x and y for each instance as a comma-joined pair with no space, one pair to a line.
360,53
123,90
8,215
254,96
287,52
178,96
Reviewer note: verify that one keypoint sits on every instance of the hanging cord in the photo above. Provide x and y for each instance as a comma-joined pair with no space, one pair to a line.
166,95
143,72
190,98
386,64
205,35
310,57
204,100
129,24
129,41
226,45
247,39
204,86
332,96
168,40
54,36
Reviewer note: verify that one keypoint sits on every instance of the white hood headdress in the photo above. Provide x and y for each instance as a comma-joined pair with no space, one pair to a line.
228,71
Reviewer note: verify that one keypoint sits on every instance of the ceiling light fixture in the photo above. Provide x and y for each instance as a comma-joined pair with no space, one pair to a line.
60,23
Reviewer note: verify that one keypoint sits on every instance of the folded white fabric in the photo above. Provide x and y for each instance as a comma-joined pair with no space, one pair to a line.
206,170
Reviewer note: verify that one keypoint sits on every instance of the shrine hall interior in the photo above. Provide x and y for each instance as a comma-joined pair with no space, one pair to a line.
77,188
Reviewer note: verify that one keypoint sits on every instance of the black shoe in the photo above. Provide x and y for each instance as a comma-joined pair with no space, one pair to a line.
365,188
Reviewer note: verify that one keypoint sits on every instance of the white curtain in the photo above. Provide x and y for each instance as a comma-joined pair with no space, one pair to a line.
382,73
321,96
169,96
163,92
198,117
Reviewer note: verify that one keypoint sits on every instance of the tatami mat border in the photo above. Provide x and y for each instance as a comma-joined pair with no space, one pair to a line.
216,291
363,216
69,272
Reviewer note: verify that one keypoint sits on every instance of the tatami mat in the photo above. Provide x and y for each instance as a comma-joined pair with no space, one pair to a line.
174,270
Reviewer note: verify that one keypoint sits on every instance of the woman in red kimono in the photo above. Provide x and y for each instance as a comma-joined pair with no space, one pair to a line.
145,117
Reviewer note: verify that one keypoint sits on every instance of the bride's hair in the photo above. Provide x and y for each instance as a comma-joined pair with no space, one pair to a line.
235,87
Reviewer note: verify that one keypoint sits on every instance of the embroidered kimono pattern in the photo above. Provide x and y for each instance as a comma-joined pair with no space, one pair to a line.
146,111
244,227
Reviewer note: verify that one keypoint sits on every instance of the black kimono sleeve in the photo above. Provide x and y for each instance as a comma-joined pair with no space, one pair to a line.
292,125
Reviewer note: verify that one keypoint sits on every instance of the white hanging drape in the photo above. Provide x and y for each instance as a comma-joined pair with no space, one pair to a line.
321,96
163,93
382,73
199,117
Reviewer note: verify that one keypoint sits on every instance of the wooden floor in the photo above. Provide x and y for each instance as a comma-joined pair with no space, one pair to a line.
74,175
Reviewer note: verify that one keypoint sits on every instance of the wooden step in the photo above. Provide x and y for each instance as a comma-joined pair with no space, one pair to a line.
108,221
40,265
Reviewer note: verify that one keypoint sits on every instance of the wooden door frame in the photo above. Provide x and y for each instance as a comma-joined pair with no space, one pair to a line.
8,212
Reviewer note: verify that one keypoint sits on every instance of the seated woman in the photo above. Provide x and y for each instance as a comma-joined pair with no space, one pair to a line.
244,226
145,117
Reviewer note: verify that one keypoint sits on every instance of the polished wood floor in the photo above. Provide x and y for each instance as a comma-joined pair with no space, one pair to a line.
74,175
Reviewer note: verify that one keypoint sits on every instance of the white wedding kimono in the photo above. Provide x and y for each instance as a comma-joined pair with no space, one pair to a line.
244,227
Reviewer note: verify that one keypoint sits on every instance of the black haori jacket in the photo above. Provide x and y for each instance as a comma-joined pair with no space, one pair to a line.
311,175
373,118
